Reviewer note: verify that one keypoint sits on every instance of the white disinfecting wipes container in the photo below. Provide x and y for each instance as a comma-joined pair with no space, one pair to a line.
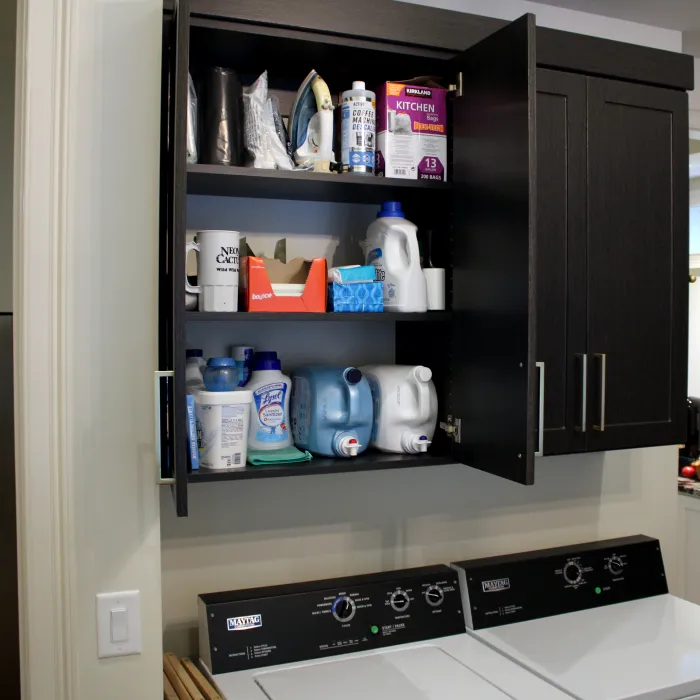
224,417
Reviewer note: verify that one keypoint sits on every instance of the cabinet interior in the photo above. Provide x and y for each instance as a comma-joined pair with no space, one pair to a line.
326,221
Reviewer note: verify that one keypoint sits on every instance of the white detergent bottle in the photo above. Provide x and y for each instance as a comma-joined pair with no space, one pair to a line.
194,367
405,407
269,415
392,248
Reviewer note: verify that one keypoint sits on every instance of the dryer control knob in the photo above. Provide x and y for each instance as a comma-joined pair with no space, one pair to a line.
434,596
344,609
399,600
615,565
573,573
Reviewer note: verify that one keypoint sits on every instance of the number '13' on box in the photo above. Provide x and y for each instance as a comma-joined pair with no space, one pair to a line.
411,132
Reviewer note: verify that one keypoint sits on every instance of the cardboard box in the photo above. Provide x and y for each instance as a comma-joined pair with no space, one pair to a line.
411,131
258,274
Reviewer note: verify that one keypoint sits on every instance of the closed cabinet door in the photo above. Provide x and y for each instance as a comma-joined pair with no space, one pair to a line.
637,273
561,257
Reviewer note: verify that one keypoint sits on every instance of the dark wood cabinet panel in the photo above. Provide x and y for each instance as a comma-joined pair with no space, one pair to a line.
493,376
561,255
637,279
173,224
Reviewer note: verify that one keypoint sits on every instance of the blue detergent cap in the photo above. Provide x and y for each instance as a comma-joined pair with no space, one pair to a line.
266,360
390,209
194,353
220,362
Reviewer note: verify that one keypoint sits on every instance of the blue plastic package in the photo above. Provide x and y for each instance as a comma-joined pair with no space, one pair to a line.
362,297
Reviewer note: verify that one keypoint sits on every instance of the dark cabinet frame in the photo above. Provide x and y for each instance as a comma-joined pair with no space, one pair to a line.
484,348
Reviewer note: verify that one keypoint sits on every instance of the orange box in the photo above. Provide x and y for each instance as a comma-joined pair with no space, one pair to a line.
256,287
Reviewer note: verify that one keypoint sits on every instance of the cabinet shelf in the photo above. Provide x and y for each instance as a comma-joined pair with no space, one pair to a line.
232,181
269,317
369,461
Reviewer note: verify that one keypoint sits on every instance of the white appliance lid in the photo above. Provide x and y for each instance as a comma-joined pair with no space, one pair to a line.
420,673
644,649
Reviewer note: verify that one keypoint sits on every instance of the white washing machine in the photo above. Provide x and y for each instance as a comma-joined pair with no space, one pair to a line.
394,636
593,620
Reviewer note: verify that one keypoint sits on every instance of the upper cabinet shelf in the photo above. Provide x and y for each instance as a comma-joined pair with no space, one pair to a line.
231,181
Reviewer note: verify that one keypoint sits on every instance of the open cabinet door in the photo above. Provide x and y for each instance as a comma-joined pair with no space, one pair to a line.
495,383
173,423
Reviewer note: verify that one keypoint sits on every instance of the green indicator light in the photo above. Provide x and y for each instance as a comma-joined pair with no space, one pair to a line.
374,629
598,591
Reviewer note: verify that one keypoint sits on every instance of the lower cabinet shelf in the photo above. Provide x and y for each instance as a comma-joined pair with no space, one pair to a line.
368,461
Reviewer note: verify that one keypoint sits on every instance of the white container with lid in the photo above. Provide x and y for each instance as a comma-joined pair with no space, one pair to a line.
224,417
405,407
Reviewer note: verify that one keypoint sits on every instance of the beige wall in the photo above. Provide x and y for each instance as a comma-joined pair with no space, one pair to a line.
272,531
8,22
111,293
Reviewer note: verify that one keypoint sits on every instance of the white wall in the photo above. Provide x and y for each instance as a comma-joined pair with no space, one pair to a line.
111,288
281,530
88,158
566,20
8,23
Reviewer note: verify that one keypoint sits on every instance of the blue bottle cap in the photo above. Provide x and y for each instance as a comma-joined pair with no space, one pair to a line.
220,362
390,209
266,359
195,352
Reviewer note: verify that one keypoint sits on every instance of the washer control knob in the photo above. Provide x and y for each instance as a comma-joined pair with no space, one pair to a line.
615,565
399,600
343,608
573,573
434,596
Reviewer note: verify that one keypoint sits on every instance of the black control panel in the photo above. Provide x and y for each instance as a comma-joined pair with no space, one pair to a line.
265,626
518,587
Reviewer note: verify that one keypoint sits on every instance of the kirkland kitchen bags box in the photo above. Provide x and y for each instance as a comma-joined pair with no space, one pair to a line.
412,131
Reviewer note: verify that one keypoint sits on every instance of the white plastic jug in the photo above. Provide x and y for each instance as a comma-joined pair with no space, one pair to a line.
405,407
392,248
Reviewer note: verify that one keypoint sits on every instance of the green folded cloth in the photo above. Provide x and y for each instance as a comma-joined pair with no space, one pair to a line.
289,455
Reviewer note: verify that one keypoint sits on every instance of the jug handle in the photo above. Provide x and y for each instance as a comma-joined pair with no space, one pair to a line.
423,398
412,248
353,399
392,254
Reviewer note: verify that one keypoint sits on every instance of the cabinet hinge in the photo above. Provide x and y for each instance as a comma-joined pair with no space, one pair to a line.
457,89
453,428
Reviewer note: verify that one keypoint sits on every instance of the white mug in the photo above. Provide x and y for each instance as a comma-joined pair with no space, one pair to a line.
217,269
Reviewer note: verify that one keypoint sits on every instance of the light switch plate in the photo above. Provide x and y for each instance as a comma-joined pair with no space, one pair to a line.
118,616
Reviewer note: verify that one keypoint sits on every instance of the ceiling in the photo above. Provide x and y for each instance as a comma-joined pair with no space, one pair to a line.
681,15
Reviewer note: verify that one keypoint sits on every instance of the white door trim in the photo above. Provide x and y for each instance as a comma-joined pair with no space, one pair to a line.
46,558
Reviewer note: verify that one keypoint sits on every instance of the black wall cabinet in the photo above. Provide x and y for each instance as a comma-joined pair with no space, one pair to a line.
563,227
612,254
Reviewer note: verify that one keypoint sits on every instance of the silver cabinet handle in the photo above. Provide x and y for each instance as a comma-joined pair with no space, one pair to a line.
583,359
540,445
603,358
157,376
